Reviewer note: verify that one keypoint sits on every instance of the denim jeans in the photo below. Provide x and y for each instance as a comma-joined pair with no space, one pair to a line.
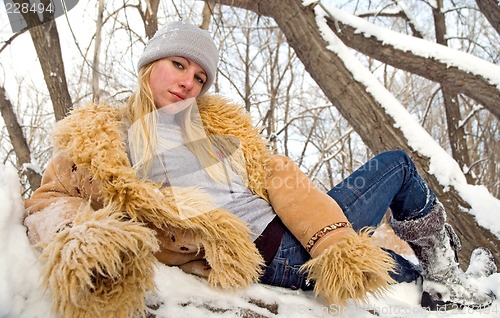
389,180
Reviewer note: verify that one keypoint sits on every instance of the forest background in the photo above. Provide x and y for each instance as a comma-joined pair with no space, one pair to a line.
313,98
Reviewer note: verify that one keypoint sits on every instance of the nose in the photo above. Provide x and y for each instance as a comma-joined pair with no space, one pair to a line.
187,80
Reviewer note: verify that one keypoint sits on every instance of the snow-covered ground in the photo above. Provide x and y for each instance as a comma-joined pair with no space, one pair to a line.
183,295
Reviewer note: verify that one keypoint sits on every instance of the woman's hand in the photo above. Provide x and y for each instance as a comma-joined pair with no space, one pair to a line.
177,247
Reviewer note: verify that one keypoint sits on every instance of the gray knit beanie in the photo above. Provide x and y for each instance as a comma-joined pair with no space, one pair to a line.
186,40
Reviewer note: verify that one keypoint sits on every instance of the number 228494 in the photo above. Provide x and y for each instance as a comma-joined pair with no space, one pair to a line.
29,7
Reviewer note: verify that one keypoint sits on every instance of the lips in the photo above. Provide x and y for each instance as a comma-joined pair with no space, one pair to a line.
179,96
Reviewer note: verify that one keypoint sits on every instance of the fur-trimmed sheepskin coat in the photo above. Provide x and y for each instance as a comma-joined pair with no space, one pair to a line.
101,229
90,187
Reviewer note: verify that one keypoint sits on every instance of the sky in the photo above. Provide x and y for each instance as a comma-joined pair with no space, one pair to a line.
182,295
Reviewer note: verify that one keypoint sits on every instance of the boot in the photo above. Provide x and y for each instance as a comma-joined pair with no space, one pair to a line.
345,265
445,285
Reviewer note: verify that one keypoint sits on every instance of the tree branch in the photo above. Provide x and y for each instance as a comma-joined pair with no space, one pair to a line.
459,81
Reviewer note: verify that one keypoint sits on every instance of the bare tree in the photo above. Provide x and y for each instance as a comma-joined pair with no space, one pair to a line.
455,79
97,51
208,9
149,16
469,33
18,140
360,108
456,132
46,40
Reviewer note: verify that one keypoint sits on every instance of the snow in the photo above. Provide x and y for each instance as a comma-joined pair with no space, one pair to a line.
19,270
484,206
183,295
419,47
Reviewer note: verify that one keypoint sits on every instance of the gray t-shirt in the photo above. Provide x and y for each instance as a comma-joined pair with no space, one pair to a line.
177,166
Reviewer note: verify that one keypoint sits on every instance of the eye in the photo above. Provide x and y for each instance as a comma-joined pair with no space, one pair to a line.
200,79
178,65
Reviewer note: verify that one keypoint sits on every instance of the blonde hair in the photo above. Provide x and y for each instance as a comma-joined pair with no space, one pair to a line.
143,135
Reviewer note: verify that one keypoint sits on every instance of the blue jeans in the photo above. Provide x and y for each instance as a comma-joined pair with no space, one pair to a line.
389,180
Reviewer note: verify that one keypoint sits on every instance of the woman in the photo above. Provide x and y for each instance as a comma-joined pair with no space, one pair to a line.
193,185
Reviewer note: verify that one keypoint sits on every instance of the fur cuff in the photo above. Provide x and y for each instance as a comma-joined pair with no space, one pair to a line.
233,257
100,267
413,230
350,269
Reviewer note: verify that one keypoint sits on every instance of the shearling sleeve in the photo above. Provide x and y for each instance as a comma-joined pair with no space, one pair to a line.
54,204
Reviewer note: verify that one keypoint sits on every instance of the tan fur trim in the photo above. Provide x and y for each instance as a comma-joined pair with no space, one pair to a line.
350,269
92,139
233,260
100,267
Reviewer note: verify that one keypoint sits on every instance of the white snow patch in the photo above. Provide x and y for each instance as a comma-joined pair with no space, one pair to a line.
419,47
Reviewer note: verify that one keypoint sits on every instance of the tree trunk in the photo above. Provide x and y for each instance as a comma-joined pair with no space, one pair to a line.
456,132
46,41
491,10
150,18
97,52
208,10
360,108
18,140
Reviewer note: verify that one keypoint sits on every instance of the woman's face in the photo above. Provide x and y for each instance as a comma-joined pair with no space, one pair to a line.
174,79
